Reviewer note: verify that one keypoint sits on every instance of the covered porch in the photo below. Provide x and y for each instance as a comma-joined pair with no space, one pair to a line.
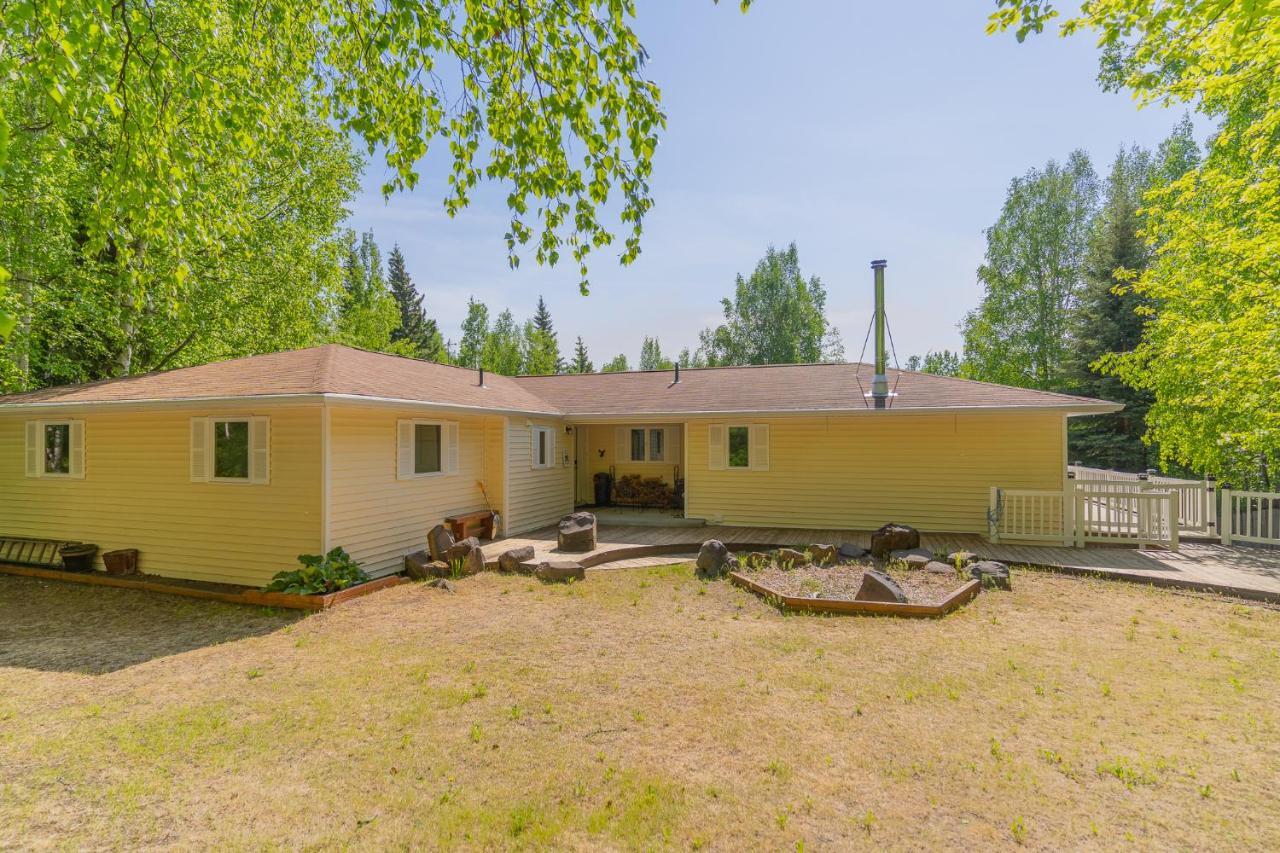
1245,571
643,463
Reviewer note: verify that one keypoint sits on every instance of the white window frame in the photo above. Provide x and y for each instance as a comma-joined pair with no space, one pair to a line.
534,431
405,465
758,450
34,449
623,441
202,449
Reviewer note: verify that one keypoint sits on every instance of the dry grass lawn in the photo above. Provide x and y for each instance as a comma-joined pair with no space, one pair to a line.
640,709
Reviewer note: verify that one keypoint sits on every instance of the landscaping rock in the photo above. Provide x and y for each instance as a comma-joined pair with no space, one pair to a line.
905,554
789,557
937,567
442,583
877,586
577,532
992,574
757,559
964,558
823,554
893,537
560,570
439,540
418,565
714,560
468,551
849,551
510,561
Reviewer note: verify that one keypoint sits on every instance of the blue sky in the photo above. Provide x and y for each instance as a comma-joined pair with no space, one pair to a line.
859,130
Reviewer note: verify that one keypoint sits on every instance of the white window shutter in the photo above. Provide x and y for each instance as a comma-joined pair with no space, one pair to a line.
758,447
552,459
622,453
199,450
716,451
260,450
75,468
34,450
668,453
404,450
450,435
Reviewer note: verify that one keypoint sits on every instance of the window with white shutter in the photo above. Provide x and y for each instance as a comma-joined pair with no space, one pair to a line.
716,455
759,447
54,449
542,446
426,448
231,449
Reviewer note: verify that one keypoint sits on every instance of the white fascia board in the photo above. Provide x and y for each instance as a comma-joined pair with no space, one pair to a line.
669,417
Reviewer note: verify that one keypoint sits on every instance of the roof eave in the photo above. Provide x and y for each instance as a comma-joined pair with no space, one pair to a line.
1070,410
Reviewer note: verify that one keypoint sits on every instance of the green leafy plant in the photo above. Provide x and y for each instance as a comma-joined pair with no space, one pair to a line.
320,574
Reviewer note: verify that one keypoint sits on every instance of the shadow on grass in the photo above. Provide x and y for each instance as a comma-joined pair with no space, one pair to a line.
65,627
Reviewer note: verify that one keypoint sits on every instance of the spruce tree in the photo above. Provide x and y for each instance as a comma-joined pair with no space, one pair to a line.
581,362
416,328
546,341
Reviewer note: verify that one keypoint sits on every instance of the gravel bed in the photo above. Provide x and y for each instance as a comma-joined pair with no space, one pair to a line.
841,582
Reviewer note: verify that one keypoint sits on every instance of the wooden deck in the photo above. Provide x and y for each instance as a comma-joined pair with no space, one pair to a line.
1251,572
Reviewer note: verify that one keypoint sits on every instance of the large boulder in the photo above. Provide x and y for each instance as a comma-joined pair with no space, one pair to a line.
466,554
993,575
439,540
850,551
877,586
577,532
936,567
420,566
714,560
893,537
513,560
823,554
560,570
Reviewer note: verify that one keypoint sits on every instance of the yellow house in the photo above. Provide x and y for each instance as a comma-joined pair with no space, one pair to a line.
228,471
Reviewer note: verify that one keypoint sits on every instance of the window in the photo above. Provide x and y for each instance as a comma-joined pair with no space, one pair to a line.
55,449
230,450
657,440
637,445
739,447
543,449
641,444
426,449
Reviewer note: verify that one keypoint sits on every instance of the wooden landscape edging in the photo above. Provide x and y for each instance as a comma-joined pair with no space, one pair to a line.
631,552
830,605
248,595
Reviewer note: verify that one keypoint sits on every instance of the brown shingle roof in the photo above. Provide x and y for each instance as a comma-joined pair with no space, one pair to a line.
341,370
330,369
780,388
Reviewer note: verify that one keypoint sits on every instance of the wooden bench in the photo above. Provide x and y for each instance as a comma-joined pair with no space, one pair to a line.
462,525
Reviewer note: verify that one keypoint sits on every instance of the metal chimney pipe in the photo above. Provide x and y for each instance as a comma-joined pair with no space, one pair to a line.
677,382
880,382
482,377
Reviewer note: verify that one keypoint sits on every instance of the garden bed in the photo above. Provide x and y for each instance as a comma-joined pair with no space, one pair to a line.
833,588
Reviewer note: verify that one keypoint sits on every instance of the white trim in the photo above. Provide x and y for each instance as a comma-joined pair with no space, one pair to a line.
254,423
534,430
1071,409
448,456
506,475
36,452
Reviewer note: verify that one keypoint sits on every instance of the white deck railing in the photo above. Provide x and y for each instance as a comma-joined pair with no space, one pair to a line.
1116,512
1197,499
1092,511
1250,517
1024,515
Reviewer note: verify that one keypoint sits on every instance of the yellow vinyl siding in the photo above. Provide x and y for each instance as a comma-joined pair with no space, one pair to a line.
137,493
537,497
604,437
860,471
378,518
